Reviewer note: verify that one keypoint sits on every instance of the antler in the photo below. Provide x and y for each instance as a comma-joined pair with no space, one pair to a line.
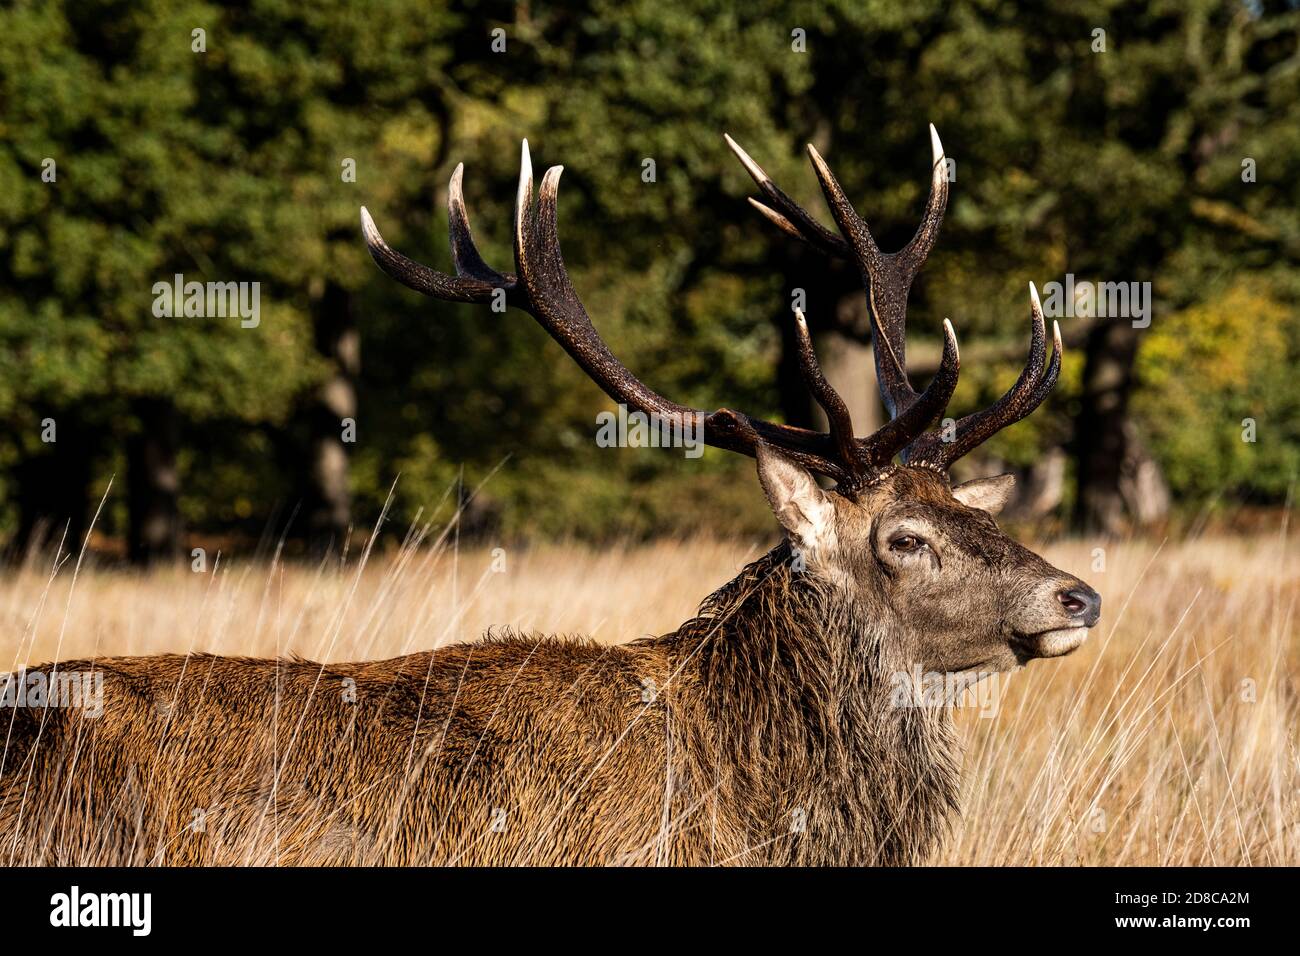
542,288
888,279
1029,391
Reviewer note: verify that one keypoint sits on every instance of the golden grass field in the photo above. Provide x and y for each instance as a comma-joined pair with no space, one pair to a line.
1170,738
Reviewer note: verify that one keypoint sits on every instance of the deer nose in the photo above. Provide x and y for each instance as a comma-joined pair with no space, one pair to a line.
1082,602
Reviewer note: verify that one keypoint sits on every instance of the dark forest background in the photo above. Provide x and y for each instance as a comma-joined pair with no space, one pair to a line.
1165,149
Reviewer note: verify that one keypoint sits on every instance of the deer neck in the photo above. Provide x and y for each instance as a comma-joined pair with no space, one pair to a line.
796,684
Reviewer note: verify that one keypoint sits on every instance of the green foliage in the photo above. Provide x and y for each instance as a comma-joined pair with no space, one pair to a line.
225,165
1219,398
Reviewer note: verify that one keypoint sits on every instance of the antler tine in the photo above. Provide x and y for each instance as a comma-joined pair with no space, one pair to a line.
420,277
887,289
913,255
788,215
464,253
898,433
837,413
523,209
474,281
1029,391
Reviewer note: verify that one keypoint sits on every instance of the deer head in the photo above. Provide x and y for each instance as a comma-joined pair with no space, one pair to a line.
894,539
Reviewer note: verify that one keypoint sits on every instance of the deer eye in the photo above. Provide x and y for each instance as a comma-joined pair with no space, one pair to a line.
907,543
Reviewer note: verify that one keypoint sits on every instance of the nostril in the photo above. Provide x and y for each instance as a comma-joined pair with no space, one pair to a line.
1082,602
1074,602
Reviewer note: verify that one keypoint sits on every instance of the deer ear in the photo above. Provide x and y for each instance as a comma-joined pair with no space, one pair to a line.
986,494
798,502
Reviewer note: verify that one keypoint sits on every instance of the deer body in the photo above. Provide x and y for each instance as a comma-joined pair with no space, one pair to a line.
754,734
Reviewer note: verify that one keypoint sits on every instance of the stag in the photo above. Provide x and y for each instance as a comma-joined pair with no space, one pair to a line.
765,730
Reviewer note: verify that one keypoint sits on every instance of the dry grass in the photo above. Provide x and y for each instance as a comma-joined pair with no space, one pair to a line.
1169,739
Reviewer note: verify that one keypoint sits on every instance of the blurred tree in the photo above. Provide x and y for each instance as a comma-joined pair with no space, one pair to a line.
223,145
113,185
1088,139
321,106
247,162
1182,100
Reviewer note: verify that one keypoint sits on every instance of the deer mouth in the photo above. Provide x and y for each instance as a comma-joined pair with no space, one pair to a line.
1056,642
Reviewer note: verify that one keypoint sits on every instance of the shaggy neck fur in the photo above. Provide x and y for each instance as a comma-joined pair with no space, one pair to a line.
796,683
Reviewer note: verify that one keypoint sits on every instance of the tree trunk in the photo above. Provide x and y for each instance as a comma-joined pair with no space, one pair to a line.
1106,450
153,484
836,310
50,490
1142,483
850,367
332,418
1039,488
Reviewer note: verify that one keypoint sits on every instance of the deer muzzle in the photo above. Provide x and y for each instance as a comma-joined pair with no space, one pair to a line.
1078,608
